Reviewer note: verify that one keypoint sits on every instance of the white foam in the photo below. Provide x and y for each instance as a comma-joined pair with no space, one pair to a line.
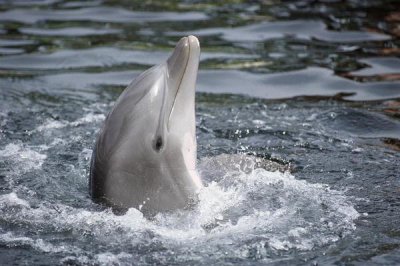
24,158
11,199
284,225
10,240
109,258
88,118
238,212
106,258
52,124
259,122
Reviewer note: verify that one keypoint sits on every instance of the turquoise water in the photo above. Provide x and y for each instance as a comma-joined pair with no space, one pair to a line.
312,86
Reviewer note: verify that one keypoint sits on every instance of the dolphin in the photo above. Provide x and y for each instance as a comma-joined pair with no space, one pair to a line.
145,154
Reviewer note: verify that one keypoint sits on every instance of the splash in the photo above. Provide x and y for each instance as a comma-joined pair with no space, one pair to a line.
25,157
51,124
239,213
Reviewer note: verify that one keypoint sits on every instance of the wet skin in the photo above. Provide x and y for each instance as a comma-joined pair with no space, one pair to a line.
145,155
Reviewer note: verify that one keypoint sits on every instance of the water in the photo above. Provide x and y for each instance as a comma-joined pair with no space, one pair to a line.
312,88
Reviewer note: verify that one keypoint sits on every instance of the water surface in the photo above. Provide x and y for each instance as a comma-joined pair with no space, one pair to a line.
312,87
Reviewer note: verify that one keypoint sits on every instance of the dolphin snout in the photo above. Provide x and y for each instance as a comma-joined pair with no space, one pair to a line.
187,49
180,55
183,62
193,42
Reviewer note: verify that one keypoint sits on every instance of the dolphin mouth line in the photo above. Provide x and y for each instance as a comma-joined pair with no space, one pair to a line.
180,83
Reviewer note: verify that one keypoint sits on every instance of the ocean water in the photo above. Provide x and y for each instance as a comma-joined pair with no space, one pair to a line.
298,131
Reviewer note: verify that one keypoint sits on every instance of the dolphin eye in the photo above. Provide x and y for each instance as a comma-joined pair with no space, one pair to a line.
159,144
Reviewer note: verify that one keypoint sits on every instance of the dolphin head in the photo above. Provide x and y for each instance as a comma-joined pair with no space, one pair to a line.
146,152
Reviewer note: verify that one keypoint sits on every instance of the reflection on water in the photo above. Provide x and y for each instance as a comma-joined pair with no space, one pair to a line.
96,14
300,29
309,86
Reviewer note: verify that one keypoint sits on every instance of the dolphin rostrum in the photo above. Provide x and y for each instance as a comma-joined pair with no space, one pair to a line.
145,154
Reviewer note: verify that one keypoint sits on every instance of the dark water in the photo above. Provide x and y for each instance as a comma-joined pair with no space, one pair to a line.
312,85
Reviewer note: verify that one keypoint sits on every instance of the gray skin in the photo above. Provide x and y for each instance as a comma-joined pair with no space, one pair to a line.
145,155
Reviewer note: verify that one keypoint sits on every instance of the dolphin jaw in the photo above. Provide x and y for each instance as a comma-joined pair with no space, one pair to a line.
179,79
183,62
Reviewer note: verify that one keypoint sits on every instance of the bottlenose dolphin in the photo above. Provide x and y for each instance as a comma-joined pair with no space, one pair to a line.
145,154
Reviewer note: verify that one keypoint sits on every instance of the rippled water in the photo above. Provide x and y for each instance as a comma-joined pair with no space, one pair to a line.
310,87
